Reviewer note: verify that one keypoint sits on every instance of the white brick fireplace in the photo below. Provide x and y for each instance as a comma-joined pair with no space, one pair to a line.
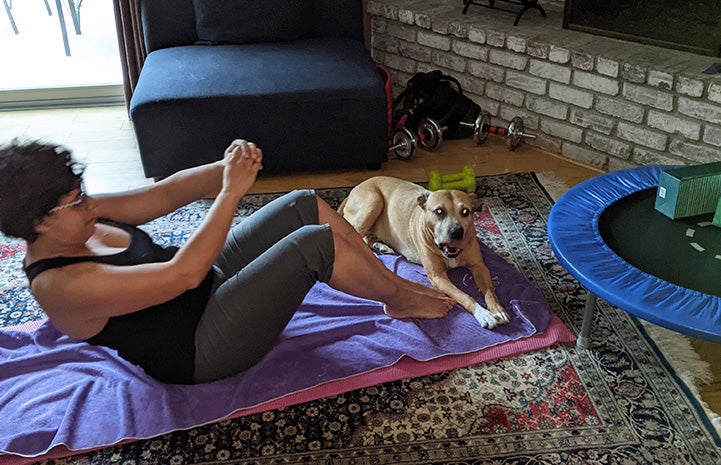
605,102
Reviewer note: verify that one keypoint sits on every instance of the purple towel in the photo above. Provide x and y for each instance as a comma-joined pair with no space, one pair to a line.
57,391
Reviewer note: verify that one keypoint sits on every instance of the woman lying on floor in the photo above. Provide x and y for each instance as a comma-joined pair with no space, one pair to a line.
206,310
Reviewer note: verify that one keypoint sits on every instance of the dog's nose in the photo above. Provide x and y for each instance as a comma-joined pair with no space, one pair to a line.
457,233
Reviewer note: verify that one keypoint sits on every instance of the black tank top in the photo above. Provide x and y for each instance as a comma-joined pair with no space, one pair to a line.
160,339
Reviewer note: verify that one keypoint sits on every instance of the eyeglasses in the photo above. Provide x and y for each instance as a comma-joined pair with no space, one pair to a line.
74,203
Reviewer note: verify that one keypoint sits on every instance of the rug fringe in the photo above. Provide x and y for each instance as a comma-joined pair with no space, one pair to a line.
686,363
675,347
553,185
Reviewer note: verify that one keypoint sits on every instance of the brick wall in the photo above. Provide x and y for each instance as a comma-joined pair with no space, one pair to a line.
604,102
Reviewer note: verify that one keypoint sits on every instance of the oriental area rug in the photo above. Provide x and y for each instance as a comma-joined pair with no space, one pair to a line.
620,402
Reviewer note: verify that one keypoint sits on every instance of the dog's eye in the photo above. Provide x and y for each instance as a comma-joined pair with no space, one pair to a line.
465,212
439,211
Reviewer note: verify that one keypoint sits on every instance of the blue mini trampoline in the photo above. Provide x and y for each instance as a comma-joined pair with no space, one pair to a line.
608,235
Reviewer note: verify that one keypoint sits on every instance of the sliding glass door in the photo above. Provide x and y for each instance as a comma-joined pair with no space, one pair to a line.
58,52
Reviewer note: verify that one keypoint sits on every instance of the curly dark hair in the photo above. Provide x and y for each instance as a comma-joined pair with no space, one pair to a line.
34,175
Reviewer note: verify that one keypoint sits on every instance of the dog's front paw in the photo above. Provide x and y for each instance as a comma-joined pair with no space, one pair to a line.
487,319
381,248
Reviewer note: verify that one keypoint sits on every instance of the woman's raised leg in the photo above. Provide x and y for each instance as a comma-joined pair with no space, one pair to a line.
357,271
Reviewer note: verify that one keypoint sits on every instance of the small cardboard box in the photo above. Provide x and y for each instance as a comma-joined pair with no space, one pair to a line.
689,190
717,216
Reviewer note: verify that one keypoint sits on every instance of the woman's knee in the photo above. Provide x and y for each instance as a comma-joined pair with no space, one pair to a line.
314,245
305,203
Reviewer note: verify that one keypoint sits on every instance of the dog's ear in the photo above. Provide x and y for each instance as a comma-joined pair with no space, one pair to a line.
476,202
422,199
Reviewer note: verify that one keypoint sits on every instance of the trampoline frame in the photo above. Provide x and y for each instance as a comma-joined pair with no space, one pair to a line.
577,243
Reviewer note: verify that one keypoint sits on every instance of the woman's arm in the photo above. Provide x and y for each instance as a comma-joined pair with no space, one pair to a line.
146,203
93,292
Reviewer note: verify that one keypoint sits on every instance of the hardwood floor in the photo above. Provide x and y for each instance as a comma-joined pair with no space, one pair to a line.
103,138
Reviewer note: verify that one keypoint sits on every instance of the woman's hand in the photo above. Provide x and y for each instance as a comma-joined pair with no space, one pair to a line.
241,164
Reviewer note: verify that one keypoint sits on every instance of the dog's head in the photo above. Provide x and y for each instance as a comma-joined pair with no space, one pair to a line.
448,215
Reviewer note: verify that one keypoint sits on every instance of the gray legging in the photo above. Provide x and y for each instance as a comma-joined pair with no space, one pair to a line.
268,264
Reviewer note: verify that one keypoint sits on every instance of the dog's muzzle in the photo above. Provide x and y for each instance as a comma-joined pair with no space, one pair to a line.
449,251
455,234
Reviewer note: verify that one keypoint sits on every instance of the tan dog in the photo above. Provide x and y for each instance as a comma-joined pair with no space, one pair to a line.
434,229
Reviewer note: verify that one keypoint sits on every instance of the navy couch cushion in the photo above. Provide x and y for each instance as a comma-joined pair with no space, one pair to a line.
249,21
332,66
167,23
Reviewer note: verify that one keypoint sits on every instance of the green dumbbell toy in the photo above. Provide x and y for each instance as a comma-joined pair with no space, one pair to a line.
463,181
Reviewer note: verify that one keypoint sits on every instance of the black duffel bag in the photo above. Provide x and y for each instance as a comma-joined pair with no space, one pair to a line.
437,96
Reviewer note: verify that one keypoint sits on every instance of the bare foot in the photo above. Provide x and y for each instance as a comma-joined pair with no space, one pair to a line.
418,301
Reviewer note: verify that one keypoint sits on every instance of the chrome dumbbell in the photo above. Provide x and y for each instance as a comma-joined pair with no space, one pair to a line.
514,133
404,143
431,133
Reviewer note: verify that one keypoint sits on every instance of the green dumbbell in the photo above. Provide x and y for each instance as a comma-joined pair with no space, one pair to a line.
463,181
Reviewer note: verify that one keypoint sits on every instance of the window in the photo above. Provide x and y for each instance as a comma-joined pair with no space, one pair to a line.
58,58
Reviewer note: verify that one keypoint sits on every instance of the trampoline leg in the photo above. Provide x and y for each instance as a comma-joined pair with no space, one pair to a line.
584,340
